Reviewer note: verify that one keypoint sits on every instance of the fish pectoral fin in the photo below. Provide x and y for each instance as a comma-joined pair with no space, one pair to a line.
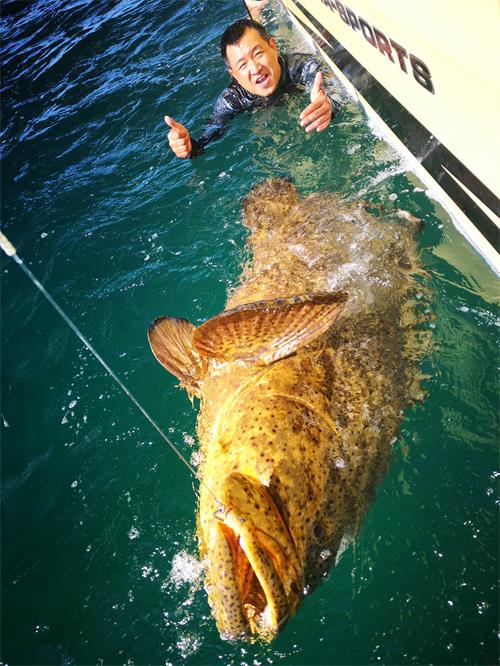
171,343
265,331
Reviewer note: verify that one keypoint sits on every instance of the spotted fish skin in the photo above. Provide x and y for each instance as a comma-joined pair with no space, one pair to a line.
305,377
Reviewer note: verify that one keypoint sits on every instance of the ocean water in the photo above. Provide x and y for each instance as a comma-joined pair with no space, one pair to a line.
99,555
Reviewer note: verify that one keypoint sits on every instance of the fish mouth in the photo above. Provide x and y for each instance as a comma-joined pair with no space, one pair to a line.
255,578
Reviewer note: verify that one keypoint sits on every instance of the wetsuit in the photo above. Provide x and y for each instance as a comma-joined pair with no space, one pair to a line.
298,71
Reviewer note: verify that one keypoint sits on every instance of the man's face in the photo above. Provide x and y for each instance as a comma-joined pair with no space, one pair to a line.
254,63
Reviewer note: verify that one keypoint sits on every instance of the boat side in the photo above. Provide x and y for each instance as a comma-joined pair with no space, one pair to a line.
408,66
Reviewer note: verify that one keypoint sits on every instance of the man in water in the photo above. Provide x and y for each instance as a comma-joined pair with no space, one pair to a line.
259,75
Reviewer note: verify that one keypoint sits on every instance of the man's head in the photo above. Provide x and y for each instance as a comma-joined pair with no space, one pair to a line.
251,57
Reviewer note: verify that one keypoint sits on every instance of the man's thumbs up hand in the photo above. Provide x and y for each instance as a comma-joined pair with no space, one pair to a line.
317,86
178,138
318,114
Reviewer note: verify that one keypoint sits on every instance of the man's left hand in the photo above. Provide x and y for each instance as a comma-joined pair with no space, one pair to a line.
318,114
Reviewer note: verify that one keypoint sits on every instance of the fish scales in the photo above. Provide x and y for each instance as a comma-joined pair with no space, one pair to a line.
303,380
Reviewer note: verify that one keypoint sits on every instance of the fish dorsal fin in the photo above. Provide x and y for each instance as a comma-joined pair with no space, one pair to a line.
265,331
171,342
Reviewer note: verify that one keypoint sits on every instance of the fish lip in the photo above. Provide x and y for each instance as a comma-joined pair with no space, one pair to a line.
254,573
251,556
234,638
268,594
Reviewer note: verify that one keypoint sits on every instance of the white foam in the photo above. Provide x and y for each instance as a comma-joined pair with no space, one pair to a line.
186,569
188,644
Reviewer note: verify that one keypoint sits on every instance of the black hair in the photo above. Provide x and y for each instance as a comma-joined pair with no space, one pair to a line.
234,33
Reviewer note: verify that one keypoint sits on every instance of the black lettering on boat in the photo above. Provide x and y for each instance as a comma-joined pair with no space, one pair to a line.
330,4
353,19
386,45
342,12
421,73
402,53
367,31
383,44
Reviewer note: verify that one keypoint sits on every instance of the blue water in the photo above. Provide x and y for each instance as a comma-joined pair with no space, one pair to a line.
99,555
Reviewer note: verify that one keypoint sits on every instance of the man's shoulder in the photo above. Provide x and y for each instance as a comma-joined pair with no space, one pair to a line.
234,98
298,56
295,61
300,69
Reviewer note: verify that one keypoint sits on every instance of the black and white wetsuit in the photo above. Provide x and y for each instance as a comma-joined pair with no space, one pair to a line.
298,71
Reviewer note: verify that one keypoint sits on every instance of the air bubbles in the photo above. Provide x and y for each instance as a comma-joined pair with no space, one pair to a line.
188,644
188,439
185,569
148,571
482,607
196,458
133,533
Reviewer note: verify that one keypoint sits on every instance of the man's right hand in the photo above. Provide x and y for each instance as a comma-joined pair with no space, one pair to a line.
178,138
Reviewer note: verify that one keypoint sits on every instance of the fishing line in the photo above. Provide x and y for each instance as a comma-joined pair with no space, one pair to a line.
246,7
10,251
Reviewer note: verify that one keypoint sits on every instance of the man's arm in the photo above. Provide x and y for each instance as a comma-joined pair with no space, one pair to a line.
179,139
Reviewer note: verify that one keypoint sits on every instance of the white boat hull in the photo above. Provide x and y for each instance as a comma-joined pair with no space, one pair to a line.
428,70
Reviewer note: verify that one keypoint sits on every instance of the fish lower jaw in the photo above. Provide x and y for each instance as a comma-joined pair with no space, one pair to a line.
262,596
253,570
261,593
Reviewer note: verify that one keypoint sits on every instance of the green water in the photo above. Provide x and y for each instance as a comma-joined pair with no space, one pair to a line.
98,548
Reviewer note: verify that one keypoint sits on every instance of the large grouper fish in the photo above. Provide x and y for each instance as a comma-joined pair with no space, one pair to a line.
303,380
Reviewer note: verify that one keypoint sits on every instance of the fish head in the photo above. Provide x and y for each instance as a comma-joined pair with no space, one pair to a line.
254,578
